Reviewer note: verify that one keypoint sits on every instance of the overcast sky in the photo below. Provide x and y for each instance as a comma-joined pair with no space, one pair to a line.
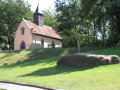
44,4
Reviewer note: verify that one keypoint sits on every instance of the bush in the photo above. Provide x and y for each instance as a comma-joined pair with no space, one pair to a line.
81,60
118,43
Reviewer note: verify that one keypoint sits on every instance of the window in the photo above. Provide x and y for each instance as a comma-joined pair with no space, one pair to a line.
36,17
41,18
22,31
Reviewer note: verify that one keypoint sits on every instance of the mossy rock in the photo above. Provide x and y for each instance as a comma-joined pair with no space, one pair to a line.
82,60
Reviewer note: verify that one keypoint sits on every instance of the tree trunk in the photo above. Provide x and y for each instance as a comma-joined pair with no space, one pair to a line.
94,33
88,36
102,29
104,40
78,41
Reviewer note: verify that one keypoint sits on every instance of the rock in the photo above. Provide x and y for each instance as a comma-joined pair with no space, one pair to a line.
82,60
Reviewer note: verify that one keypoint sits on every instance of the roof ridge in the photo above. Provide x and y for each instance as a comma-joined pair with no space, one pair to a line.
45,30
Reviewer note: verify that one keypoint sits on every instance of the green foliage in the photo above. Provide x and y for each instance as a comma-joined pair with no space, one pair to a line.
91,17
118,44
50,19
42,70
69,38
107,13
68,12
12,12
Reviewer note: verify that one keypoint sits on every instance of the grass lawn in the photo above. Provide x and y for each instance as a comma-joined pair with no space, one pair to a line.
2,89
39,67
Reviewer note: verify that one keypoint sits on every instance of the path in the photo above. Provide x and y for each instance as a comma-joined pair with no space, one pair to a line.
17,87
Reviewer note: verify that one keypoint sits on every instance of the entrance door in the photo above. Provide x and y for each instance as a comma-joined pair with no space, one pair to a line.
42,43
53,44
22,45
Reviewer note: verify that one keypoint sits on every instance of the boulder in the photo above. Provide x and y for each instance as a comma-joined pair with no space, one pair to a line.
82,60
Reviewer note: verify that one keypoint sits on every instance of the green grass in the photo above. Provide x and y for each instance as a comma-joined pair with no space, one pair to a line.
39,67
2,89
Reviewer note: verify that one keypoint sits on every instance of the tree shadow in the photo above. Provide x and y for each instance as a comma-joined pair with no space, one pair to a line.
10,53
54,71
31,63
39,55
35,55
46,56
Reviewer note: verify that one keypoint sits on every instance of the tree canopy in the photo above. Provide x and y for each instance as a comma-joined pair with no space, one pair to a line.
11,13
98,21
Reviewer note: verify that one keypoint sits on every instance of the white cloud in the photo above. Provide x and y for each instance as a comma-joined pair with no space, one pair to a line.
44,4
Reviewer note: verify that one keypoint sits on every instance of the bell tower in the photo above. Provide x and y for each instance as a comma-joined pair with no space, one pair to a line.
38,17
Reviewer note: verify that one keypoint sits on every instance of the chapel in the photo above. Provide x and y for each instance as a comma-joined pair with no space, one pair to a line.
33,35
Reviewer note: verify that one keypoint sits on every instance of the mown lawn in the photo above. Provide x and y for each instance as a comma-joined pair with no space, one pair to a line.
2,89
39,67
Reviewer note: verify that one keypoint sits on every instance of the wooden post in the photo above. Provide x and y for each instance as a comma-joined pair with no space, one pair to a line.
78,41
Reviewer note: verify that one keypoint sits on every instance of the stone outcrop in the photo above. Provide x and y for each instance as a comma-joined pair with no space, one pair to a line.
82,60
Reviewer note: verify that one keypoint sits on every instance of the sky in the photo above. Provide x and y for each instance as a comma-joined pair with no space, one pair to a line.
44,4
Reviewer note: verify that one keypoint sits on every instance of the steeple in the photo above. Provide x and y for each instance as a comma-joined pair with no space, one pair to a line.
38,17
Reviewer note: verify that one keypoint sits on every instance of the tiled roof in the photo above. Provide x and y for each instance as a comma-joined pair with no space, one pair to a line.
45,30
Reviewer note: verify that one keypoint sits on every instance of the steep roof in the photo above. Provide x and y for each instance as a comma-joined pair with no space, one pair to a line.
38,10
45,30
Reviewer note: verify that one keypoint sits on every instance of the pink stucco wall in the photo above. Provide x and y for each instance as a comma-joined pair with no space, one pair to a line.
19,38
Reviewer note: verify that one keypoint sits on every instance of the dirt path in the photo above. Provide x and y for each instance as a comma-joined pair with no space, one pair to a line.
17,87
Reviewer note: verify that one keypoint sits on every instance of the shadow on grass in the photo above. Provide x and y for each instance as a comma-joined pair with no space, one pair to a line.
36,56
31,63
8,54
54,71
27,56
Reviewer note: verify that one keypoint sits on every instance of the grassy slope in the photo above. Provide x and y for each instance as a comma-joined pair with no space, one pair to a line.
41,69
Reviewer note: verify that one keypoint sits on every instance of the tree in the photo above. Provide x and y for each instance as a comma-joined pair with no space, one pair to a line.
98,20
111,9
50,19
69,18
12,12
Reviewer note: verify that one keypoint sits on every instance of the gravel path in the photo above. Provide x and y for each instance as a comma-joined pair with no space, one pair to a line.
17,87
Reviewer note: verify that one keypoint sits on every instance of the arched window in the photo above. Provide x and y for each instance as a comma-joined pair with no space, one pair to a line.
42,43
53,44
22,46
22,30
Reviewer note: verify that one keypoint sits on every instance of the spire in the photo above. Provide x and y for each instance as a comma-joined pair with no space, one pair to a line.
38,10
38,16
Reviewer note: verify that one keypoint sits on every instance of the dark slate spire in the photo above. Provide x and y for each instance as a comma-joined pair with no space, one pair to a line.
38,17
38,10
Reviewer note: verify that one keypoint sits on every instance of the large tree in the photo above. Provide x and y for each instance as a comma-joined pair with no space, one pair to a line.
50,19
68,14
109,14
11,13
96,20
